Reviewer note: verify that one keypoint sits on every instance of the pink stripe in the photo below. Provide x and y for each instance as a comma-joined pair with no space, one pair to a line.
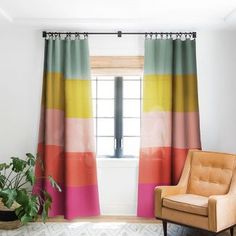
41,125
146,200
186,130
54,127
82,201
74,202
79,135
58,199
156,129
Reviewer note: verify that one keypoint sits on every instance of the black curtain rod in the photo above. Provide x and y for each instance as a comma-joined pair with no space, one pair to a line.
119,33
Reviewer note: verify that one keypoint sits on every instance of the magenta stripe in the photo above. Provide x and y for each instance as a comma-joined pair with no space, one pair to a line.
82,201
146,200
74,202
58,200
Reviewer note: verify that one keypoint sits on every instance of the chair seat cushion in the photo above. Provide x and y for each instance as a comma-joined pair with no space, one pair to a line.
190,203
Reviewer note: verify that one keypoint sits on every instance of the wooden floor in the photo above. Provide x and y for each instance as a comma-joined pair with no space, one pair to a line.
128,219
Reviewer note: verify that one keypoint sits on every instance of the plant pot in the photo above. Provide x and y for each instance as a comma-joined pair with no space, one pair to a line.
8,218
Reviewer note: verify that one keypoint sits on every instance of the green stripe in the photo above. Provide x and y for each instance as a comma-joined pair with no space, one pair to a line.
69,57
169,57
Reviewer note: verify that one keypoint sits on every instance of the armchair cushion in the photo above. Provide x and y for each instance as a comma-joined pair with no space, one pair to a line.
211,173
190,203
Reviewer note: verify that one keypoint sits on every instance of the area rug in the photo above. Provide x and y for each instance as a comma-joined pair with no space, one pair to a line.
100,229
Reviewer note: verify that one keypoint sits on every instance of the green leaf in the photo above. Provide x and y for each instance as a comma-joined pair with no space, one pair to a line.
18,164
2,181
31,156
30,176
26,218
31,159
19,211
22,197
54,183
4,166
8,196
46,205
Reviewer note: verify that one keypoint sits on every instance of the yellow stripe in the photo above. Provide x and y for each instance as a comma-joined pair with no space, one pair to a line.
72,96
55,84
170,93
78,99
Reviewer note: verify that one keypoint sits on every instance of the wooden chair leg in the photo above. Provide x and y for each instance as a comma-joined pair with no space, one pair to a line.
164,224
231,231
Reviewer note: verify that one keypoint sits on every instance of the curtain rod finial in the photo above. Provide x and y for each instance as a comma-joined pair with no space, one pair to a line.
194,35
119,34
44,33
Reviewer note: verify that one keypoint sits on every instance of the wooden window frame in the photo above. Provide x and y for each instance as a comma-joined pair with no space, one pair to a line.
117,65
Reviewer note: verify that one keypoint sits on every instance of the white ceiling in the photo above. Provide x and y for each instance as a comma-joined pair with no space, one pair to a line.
127,15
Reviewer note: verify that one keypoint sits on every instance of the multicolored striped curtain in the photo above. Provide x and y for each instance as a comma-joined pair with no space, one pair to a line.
66,140
170,118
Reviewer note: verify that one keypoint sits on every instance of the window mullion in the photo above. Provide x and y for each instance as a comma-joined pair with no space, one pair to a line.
118,114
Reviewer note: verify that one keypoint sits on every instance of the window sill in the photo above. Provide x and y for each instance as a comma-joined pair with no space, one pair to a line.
106,162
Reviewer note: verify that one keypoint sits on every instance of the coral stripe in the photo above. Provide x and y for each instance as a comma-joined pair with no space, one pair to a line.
54,162
79,135
80,169
178,160
155,165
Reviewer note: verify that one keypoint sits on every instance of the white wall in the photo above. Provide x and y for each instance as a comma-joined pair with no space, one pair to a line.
21,58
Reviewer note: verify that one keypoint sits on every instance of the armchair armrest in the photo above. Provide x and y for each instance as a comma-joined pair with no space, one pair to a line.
163,191
221,211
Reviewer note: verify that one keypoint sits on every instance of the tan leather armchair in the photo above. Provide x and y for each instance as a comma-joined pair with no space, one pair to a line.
205,196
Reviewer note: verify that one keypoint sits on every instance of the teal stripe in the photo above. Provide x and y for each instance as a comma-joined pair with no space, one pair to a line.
168,56
69,57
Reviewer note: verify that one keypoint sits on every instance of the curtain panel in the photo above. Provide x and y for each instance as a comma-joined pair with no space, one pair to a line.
66,139
170,118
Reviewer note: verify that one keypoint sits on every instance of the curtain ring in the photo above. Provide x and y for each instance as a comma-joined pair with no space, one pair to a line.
85,35
77,36
161,35
146,35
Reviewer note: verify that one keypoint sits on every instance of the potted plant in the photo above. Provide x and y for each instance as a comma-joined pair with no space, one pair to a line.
18,204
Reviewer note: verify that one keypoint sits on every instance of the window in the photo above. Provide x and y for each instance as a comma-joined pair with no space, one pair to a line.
117,108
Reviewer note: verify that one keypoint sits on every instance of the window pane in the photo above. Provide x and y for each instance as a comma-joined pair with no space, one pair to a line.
94,89
105,108
105,126
131,89
94,108
105,146
105,89
131,146
131,127
131,108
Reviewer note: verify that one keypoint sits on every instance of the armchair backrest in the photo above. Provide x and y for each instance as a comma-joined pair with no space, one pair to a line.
210,173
